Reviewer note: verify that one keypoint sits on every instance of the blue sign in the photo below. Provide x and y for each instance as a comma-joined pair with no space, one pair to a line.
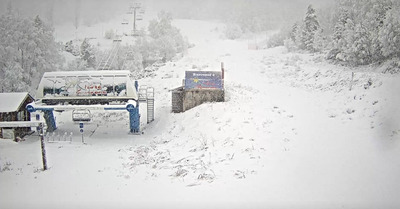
81,130
37,117
203,80
80,125
203,84
208,75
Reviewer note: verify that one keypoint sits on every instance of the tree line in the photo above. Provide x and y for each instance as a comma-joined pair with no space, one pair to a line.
28,49
363,32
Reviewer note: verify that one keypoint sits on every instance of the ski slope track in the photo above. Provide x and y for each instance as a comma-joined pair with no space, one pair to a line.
294,132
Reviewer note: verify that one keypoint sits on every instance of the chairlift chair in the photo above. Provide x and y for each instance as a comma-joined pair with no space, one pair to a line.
124,22
81,115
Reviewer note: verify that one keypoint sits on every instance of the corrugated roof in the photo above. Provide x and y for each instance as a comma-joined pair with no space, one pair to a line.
10,102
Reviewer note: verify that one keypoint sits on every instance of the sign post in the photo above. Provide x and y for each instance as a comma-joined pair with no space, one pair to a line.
81,127
40,129
42,145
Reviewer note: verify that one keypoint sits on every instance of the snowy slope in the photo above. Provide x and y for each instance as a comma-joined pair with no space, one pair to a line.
291,134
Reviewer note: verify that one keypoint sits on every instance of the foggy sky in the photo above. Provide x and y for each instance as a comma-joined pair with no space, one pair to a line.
92,11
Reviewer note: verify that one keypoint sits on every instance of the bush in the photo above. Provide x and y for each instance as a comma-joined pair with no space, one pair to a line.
277,39
233,31
109,34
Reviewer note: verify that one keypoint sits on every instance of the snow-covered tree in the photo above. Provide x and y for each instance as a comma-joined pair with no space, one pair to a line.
307,35
12,79
27,44
76,65
162,26
132,61
359,31
319,41
232,31
297,35
389,35
88,54
167,39
359,51
294,31
311,26
72,47
339,29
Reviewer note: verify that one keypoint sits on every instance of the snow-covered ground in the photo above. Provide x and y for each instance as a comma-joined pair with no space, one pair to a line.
294,132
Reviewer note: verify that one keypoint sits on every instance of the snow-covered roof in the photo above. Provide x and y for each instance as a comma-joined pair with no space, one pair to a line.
88,73
11,102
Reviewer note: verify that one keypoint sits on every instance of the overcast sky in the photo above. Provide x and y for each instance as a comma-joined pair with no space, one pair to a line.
92,11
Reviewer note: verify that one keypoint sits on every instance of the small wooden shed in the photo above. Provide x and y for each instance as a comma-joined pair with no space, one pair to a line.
13,108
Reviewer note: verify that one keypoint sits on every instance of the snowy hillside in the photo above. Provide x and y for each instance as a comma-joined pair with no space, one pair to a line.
294,132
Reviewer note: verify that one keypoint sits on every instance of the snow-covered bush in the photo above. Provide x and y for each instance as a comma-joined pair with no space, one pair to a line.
130,58
72,47
392,66
233,31
88,54
290,45
109,34
76,65
276,40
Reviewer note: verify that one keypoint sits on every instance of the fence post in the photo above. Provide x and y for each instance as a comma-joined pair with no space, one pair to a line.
351,82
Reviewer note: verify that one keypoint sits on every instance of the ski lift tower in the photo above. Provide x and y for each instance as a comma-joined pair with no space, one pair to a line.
134,8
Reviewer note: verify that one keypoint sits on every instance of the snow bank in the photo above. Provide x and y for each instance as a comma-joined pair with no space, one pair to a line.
294,132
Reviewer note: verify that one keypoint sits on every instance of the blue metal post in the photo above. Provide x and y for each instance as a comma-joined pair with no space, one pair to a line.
48,116
137,86
134,119
50,120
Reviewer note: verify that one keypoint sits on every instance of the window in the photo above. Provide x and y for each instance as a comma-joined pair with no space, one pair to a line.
21,116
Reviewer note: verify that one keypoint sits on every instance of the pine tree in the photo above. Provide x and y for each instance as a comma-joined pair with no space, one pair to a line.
374,20
360,48
339,29
311,26
87,54
293,32
319,41
389,35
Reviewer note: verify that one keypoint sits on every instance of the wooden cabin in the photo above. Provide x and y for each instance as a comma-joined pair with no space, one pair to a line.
13,108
